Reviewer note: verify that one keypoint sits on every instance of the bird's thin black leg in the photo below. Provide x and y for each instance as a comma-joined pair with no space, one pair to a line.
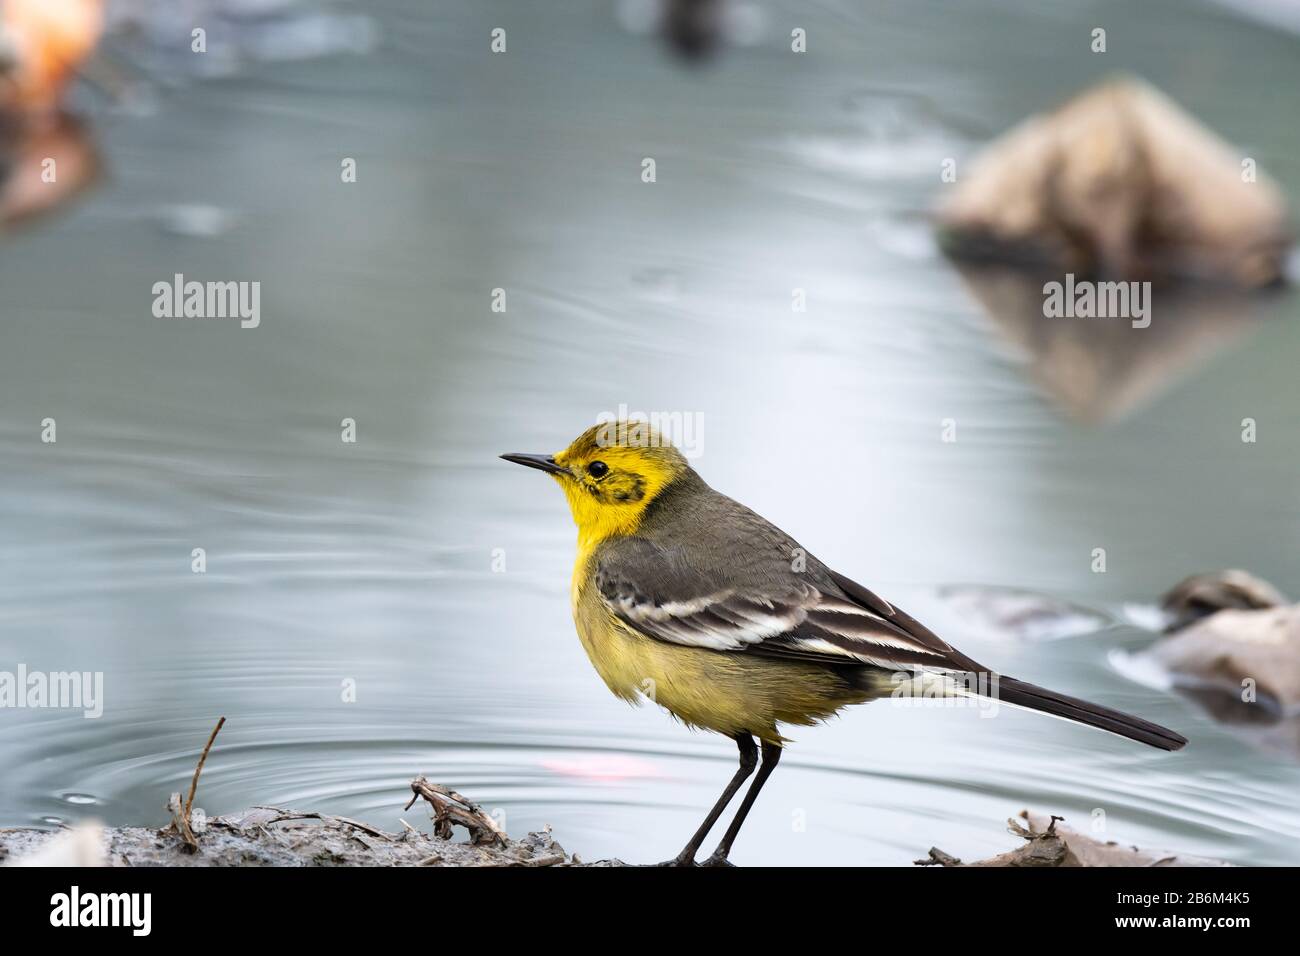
748,761
771,755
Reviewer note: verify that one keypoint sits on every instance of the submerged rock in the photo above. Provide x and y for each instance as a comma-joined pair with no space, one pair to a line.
693,28
998,612
1232,644
1235,645
1120,182
1202,595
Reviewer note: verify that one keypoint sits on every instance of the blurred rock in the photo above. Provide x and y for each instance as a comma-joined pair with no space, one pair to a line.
1236,647
47,156
695,30
693,27
1201,595
995,612
1119,182
1232,645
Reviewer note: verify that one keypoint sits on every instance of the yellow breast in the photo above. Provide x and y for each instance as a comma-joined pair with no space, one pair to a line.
722,691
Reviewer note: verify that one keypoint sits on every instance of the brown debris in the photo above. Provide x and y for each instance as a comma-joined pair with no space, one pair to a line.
449,807
1046,844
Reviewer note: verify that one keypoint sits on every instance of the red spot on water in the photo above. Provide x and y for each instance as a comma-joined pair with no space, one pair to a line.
606,767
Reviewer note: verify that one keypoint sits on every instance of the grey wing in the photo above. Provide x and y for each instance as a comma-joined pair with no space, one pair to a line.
824,617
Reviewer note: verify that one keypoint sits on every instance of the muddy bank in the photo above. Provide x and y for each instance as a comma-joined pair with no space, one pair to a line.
275,836
270,836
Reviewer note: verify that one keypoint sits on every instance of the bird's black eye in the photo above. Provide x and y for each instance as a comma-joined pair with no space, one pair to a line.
598,469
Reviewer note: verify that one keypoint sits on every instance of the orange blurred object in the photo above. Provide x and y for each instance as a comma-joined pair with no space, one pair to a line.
48,39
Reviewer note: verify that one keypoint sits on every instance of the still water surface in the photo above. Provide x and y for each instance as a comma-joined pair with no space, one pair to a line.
374,562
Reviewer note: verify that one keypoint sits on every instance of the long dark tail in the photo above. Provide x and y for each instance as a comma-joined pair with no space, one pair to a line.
1019,694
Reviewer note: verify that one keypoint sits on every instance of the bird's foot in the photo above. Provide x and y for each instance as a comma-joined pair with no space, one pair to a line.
678,861
717,860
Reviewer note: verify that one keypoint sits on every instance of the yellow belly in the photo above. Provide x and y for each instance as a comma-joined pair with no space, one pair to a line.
722,691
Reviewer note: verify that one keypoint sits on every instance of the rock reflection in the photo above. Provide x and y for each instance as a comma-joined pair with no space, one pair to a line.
1101,369
45,163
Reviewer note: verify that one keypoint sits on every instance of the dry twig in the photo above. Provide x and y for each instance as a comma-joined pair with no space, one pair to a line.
450,808
181,813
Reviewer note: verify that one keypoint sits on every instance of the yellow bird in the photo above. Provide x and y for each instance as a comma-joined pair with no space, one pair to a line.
688,598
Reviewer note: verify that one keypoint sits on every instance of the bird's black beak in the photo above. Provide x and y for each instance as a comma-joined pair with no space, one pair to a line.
541,462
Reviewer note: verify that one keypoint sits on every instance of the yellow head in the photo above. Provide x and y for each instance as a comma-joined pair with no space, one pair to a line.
610,474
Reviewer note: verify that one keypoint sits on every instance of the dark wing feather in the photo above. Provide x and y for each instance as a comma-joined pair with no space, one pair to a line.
819,616
657,592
